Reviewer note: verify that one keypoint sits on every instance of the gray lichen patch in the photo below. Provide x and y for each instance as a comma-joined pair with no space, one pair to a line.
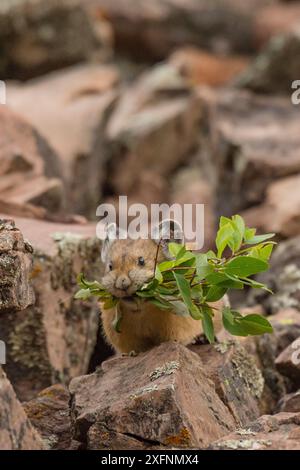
167,369
223,347
27,343
143,391
248,371
236,444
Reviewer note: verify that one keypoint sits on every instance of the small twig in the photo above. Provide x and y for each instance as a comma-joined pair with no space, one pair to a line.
156,257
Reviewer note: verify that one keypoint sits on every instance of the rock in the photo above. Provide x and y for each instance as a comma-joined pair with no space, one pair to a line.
30,169
16,432
276,19
283,278
252,140
286,325
159,28
15,266
278,432
72,111
288,362
154,126
236,377
279,212
53,340
38,36
164,398
290,403
49,414
202,68
278,65
192,186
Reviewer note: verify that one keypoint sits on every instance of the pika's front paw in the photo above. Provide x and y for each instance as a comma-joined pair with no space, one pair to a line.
130,354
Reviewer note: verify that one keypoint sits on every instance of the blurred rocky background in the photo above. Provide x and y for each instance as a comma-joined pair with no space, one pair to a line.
164,101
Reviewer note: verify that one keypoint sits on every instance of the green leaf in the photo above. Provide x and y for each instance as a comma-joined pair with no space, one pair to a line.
244,266
231,324
207,323
224,235
215,293
160,303
116,323
259,238
255,324
165,265
238,225
174,249
110,303
158,275
203,268
249,233
185,291
83,294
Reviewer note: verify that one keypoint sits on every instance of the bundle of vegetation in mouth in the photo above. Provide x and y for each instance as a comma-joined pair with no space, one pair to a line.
191,282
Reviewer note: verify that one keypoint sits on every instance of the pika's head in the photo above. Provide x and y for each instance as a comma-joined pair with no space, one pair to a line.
130,263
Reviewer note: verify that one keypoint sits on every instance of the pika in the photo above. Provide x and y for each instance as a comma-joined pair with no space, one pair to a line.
129,264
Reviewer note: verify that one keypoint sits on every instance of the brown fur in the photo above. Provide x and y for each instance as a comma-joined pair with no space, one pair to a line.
142,326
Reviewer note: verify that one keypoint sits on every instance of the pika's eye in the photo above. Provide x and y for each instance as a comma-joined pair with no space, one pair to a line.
110,266
141,261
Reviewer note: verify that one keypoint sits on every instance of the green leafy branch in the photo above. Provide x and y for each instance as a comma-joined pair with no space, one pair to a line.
190,282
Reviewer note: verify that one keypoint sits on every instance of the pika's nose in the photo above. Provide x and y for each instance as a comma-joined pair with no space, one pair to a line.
123,282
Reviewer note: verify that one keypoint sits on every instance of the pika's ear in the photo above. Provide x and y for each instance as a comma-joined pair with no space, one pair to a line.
112,233
168,231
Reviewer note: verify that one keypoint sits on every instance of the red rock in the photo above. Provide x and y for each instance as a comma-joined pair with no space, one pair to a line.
290,403
49,414
202,68
47,35
154,126
278,432
252,141
276,19
15,267
163,398
54,339
279,212
276,67
72,111
288,362
165,24
29,167
16,432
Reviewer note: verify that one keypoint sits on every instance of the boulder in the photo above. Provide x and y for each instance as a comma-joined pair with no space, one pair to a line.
167,397
38,36
266,348
203,68
154,126
288,362
279,212
15,266
166,24
276,67
283,278
71,112
30,170
16,431
290,403
274,19
49,414
278,432
252,140
53,340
